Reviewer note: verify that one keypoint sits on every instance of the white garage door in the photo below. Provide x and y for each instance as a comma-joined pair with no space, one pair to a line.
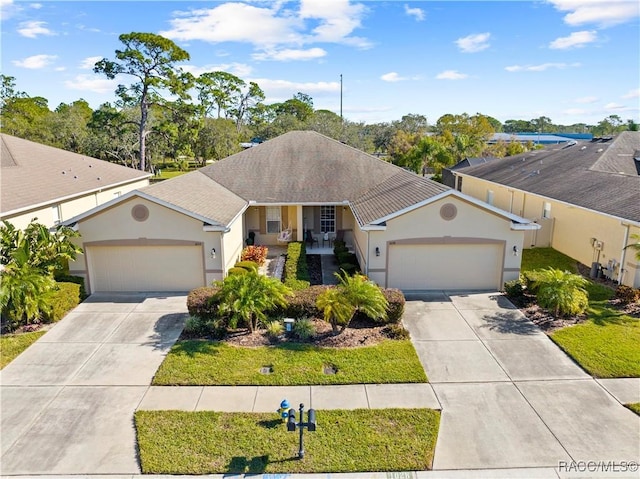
145,268
448,266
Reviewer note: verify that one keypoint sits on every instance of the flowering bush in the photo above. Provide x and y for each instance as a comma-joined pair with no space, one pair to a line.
257,254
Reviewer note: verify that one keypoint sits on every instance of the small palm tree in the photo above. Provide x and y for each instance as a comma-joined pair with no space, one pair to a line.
353,294
246,298
635,246
562,291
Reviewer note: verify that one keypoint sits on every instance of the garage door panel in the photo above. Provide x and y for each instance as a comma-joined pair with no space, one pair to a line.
145,268
445,266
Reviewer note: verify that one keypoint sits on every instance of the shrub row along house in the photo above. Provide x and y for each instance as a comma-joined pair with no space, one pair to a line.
408,232
585,195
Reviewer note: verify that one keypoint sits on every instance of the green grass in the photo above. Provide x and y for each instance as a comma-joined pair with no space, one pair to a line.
607,345
11,345
635,407
215,363
207,442
539,258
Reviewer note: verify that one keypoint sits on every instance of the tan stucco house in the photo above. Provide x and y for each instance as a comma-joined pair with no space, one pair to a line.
53,185
407,231
584,195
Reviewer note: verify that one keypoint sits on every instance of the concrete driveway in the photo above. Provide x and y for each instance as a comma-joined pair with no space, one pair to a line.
510,397
68,401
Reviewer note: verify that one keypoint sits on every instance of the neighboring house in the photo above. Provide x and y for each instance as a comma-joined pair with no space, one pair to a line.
53,185
585,196
407,231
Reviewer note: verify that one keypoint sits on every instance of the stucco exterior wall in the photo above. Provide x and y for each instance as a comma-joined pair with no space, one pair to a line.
116,224
573,227
426,223
71,207
233,243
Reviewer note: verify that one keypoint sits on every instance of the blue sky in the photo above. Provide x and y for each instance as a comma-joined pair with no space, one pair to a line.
570,60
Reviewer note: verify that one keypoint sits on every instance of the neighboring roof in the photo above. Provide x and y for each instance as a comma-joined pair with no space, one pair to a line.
34,174
600,175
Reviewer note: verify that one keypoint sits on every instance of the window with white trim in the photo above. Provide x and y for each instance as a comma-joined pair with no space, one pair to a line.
327,219
274,219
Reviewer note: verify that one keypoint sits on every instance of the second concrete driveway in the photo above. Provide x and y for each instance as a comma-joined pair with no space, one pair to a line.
70,397
510,397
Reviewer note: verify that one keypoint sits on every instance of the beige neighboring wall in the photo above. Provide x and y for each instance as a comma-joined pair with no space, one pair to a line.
573,227
425,225
70,207
232,245
116,225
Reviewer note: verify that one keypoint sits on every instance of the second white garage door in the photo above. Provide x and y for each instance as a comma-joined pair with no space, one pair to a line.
445,266
145,268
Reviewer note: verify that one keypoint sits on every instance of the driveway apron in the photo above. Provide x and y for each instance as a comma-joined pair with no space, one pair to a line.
510,397
68,400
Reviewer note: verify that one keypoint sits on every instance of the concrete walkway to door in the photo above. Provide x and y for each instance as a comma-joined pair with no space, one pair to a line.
510,397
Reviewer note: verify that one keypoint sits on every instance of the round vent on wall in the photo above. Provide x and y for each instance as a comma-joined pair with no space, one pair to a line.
448,211
140,212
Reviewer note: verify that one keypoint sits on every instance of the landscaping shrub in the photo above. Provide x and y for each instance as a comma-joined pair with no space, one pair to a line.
303,329
627,294
339,245
395,331
514,288
68,278
531,280
349,268
257,254
303,302
396,301
296,272
202,302
64,298
236,270
248,265
561,291
274,329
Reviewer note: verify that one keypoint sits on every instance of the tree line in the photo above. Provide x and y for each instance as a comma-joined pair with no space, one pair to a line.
163,113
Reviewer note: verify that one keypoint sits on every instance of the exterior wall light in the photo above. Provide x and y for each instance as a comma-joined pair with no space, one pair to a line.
377,251
515,251
213,253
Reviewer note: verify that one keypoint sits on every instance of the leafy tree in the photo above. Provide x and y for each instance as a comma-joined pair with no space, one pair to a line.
542,124
150,59
247,298
326,123
70,122
562,291
113,136
217,139
219,91
249,100
412,123
518,126
353,294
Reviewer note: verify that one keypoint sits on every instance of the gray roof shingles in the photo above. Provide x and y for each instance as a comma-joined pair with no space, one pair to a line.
34,174
594,175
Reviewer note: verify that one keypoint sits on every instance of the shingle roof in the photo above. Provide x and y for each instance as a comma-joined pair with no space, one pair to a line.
597,175
34,174
307,167
196,193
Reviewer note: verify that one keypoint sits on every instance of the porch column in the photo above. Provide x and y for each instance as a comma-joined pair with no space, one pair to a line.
300,223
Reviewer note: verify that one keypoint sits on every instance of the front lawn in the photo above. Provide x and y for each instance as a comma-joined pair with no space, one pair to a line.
11,345
207,442
607,343
212,363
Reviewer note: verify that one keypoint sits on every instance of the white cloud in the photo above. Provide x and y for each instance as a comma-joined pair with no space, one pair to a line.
270,24
92,83
8,9
474,43
575,40
34,28
392,77
574,111
616,107
290,54
604,13
540,68
35,62
89,62
35,6
241,70
632,94
275,87
586,99
417,13
451,75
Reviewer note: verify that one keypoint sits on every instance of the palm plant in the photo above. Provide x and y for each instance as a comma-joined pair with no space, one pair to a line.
635,246
247,298
353,294
562,291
